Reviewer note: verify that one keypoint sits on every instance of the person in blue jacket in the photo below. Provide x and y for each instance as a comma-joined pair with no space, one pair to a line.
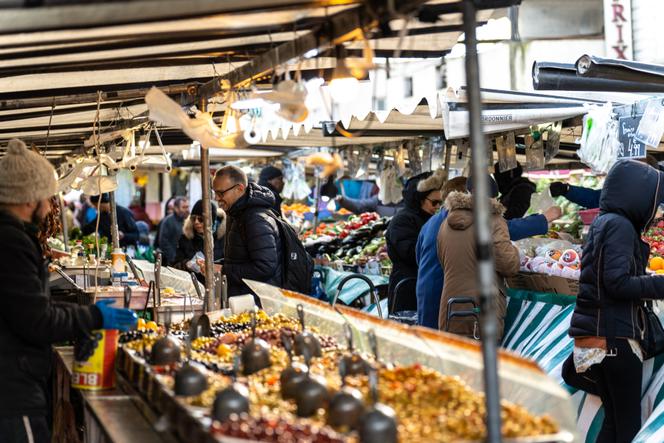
587,197
430,273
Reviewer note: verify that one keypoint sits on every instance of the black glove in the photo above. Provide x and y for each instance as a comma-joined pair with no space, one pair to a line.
558,189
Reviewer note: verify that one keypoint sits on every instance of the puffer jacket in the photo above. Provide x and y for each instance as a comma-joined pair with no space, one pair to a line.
277,196
401,241
30,322
252,247
613,283
456,252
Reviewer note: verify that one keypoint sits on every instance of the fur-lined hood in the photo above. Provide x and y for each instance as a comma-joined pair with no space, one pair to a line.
460,207
434,182
188,226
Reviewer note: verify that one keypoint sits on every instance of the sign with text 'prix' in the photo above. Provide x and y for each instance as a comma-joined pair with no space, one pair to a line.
618,29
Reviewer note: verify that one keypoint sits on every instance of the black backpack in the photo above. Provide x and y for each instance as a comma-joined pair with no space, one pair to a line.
296,263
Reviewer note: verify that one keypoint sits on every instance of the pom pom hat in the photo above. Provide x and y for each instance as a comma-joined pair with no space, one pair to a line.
25,176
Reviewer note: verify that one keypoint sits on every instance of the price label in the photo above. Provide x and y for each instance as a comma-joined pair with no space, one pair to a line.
630,147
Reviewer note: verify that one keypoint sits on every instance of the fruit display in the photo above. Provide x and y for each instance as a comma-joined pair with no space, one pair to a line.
356,241
268,378
552,257
655,238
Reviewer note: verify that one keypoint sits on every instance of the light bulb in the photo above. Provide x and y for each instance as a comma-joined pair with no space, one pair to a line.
344,89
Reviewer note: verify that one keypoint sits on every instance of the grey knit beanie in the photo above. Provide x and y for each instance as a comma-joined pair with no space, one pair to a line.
25,176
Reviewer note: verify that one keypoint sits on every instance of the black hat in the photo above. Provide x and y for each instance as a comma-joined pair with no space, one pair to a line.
105,198
493,187
269,172
198,209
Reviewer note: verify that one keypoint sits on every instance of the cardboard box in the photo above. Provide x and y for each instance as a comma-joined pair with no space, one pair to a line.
543,283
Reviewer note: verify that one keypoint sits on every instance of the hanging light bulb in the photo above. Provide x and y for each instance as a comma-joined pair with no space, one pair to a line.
343,86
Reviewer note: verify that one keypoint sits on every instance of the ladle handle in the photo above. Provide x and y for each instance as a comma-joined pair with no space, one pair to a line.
373,342
253,324
349,336
288,346
300,314
373,384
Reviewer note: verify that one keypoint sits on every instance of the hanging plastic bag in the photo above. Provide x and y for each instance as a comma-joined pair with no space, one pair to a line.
506,147
437,152
552,144
426,156
295,186
461,154
534,153
400,162
651,126
599,144
365,161
390,186
414,159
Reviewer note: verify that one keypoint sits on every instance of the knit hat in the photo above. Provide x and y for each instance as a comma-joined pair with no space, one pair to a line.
198,209
493,187
268,173
25,176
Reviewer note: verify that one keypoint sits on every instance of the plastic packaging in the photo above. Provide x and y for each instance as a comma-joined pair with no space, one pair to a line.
651,126
118,260
506,147
599,144
534,153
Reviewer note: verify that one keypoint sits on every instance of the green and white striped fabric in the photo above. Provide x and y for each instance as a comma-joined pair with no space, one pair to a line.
536,327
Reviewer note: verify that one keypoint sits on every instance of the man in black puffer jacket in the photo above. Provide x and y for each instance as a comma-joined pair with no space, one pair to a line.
29,321
252,248
608,320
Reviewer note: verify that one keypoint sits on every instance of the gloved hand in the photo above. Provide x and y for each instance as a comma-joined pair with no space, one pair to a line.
558,188
116,318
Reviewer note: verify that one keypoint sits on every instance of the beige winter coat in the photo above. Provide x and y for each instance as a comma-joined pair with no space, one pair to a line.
456,252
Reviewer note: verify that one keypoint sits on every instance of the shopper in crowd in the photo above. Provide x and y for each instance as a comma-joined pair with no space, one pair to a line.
457,255
86,212
168,208
171,230
192,242
272,178
586,197
515,191
608,320
430,271
139,213
29,321
252,247
422,198
127,229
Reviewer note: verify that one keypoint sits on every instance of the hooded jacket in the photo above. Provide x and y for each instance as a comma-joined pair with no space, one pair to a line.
456,252
277,196
30,322
252,247
401,236
191,242
515,191
613,283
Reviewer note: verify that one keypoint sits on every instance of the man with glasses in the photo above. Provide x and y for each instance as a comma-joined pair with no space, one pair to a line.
252,247
171,230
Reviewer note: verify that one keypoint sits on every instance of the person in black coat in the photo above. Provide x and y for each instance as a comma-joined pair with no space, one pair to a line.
422,198
29,321
515,191
252,247
192,241
272,178
127,229
607,324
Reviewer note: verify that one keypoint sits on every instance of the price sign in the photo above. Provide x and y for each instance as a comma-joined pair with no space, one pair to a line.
629,146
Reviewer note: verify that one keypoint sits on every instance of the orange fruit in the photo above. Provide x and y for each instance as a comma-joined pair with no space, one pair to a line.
656,263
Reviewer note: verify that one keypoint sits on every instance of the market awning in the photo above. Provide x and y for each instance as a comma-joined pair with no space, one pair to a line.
55,60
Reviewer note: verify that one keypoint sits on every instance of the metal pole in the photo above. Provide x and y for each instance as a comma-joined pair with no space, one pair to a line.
317,172
208,247
115,237
482,226
63,222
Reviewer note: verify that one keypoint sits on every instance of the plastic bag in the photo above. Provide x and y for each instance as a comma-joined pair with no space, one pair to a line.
552,144
534,153
414,159
542,201
506,147
192,264
599,144
295,186
390,186
462,154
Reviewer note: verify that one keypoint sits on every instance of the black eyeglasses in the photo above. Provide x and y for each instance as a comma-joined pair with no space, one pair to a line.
220,194
435,202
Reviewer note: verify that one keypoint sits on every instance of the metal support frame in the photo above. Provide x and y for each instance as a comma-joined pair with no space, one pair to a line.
482,227
63,222
208,247
115,237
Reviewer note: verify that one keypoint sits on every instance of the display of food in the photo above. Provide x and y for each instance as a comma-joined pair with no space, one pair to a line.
269,378
655,238
358,241
552,257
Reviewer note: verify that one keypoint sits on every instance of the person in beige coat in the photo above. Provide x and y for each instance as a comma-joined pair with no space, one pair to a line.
456,252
